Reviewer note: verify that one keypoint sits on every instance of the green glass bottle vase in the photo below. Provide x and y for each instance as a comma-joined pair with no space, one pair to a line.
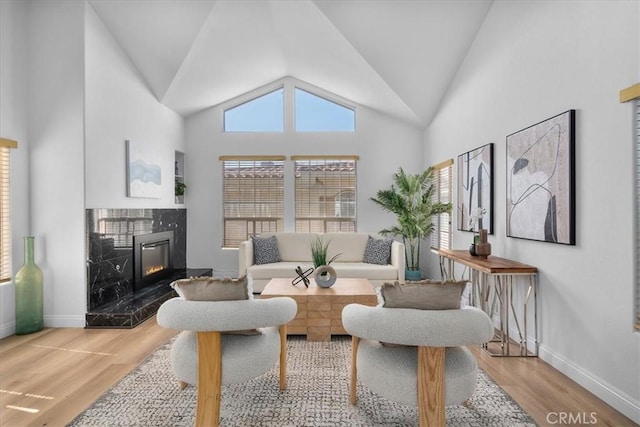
28,285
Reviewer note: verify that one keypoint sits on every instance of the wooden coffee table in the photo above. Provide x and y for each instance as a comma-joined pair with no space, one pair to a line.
320,309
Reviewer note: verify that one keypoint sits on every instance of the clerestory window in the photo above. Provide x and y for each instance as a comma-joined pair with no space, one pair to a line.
316,114
262,114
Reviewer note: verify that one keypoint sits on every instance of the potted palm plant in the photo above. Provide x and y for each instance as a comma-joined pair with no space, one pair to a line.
411,200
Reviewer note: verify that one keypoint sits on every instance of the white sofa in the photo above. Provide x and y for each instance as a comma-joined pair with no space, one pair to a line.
295,250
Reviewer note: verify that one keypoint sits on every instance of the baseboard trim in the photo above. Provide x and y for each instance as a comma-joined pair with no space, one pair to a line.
65,321
619,400
7,329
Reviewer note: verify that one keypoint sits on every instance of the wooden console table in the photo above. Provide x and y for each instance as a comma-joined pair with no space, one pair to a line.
502,272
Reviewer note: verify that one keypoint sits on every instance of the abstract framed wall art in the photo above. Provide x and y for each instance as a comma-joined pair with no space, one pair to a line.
475,187
541,181
144,174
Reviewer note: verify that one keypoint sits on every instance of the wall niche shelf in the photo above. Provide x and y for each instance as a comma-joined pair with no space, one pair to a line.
179,175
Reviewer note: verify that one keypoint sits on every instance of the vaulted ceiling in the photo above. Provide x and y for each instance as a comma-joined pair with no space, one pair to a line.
395,56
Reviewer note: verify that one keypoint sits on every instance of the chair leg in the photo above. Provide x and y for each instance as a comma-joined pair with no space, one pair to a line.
209,379
283,357
354,370
431,386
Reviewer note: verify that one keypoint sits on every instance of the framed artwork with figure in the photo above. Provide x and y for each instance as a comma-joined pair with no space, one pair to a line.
475,188
541,181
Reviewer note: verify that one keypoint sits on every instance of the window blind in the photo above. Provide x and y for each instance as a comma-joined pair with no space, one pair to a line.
253,197
5,209
325,193
442,180
637,215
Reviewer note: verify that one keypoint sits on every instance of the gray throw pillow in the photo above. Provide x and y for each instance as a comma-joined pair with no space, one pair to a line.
265,250
377,251
423,295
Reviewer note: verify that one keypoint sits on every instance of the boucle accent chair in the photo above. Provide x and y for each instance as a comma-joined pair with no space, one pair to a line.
204,355
422,361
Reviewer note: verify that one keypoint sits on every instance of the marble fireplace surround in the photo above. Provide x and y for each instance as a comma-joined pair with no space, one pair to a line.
111,299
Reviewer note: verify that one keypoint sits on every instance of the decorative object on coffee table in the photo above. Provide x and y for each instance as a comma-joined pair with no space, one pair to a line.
325,276
303,276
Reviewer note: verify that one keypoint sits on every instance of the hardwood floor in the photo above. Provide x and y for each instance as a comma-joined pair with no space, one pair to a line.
49,377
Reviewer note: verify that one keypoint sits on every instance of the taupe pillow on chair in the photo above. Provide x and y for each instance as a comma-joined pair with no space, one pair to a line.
423,295
215,289
212,289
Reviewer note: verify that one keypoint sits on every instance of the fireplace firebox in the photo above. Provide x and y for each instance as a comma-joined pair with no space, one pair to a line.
152,258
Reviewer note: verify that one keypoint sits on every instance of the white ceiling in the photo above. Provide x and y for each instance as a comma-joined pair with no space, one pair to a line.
395,56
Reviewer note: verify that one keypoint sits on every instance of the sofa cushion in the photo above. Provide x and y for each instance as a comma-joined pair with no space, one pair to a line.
295,246
212,289
377,251
265,249
350,246
279,269
350,270
355,270
423,295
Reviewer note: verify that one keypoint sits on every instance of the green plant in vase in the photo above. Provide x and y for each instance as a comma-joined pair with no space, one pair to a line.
473,221
319,251
179,188
325,275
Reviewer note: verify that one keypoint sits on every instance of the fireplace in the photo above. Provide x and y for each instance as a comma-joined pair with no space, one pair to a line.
152,258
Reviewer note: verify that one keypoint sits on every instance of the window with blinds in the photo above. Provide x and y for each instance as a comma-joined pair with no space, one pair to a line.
637,173
5,209
325,193
442,180
253,197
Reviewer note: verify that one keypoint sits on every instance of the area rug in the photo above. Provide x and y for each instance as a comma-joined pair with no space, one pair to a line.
317,394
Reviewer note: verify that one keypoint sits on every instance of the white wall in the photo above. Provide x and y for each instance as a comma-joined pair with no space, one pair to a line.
71,97
120,106
530,61
382,143
13,125
56,134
